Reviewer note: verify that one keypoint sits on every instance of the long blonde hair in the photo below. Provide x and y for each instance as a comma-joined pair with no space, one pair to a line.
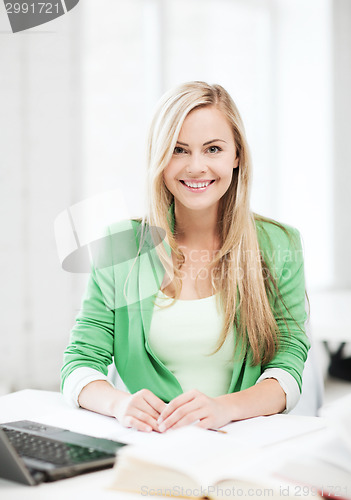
240,270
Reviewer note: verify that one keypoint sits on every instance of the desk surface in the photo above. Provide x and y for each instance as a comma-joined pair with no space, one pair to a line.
50,408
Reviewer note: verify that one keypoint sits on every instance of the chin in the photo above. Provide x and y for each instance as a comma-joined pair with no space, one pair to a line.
198,207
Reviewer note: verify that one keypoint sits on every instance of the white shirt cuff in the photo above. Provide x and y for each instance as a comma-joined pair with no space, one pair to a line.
287,383
78,379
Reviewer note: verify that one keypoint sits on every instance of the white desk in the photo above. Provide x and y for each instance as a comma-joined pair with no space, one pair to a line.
50,408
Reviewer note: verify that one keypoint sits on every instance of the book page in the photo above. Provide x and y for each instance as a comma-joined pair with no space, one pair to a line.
338,415
319,460
204,455
266,431
334,451
326,479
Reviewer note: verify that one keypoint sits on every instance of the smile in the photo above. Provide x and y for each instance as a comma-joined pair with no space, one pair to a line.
197,186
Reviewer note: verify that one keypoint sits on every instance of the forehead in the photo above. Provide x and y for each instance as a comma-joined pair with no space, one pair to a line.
207,122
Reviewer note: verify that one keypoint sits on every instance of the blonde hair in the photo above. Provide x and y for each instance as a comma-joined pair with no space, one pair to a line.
239,251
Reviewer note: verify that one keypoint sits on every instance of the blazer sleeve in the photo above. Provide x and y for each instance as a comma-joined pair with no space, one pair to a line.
92,337
289,310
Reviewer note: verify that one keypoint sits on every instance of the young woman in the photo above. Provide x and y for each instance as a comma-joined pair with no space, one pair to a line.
206,325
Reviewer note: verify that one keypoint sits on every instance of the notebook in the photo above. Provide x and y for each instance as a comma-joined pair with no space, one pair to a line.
32,453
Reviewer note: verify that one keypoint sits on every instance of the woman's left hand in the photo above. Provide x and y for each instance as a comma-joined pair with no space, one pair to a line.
194,406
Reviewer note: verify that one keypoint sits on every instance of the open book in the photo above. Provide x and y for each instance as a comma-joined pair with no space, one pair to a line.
193,463
322,462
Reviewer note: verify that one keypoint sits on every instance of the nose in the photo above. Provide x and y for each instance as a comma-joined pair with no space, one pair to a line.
196,164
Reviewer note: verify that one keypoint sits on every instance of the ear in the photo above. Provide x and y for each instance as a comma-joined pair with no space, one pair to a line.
236,162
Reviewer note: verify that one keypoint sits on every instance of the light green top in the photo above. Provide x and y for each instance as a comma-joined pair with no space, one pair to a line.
184,337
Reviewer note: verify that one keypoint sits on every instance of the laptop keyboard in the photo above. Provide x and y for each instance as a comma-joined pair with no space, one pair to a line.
50,450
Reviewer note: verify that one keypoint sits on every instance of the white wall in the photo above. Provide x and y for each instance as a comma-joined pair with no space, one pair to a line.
342,143
304,130
40,171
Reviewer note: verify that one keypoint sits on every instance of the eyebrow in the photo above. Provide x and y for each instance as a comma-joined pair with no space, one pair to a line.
204,144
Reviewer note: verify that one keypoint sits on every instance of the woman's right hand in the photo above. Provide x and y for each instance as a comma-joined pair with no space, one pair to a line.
139,410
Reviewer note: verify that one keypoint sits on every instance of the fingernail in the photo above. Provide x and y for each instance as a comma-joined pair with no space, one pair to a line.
162,427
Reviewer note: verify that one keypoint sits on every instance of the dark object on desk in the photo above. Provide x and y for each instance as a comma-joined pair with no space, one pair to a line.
340,366
33,453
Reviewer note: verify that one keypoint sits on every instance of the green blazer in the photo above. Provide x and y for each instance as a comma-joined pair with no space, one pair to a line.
114,321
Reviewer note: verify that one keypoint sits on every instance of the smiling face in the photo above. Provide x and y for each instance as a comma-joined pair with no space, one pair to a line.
201,168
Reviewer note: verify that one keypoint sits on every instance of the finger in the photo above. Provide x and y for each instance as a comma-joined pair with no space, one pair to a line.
143,405
156,403
193,417
134,423
139,407
144,417
186,411
206,423
176,403
146,401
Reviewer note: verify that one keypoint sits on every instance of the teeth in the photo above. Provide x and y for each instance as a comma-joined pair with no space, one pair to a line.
197,184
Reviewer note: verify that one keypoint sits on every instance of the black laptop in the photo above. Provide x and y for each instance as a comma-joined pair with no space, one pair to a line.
32,453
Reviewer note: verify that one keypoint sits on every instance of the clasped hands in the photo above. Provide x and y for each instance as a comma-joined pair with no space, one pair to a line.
146,412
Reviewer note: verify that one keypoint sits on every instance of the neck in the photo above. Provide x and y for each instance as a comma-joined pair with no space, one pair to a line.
196,228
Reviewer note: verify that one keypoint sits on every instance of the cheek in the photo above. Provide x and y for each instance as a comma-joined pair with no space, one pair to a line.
168,176
165,174
170,172
227,177
225,171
